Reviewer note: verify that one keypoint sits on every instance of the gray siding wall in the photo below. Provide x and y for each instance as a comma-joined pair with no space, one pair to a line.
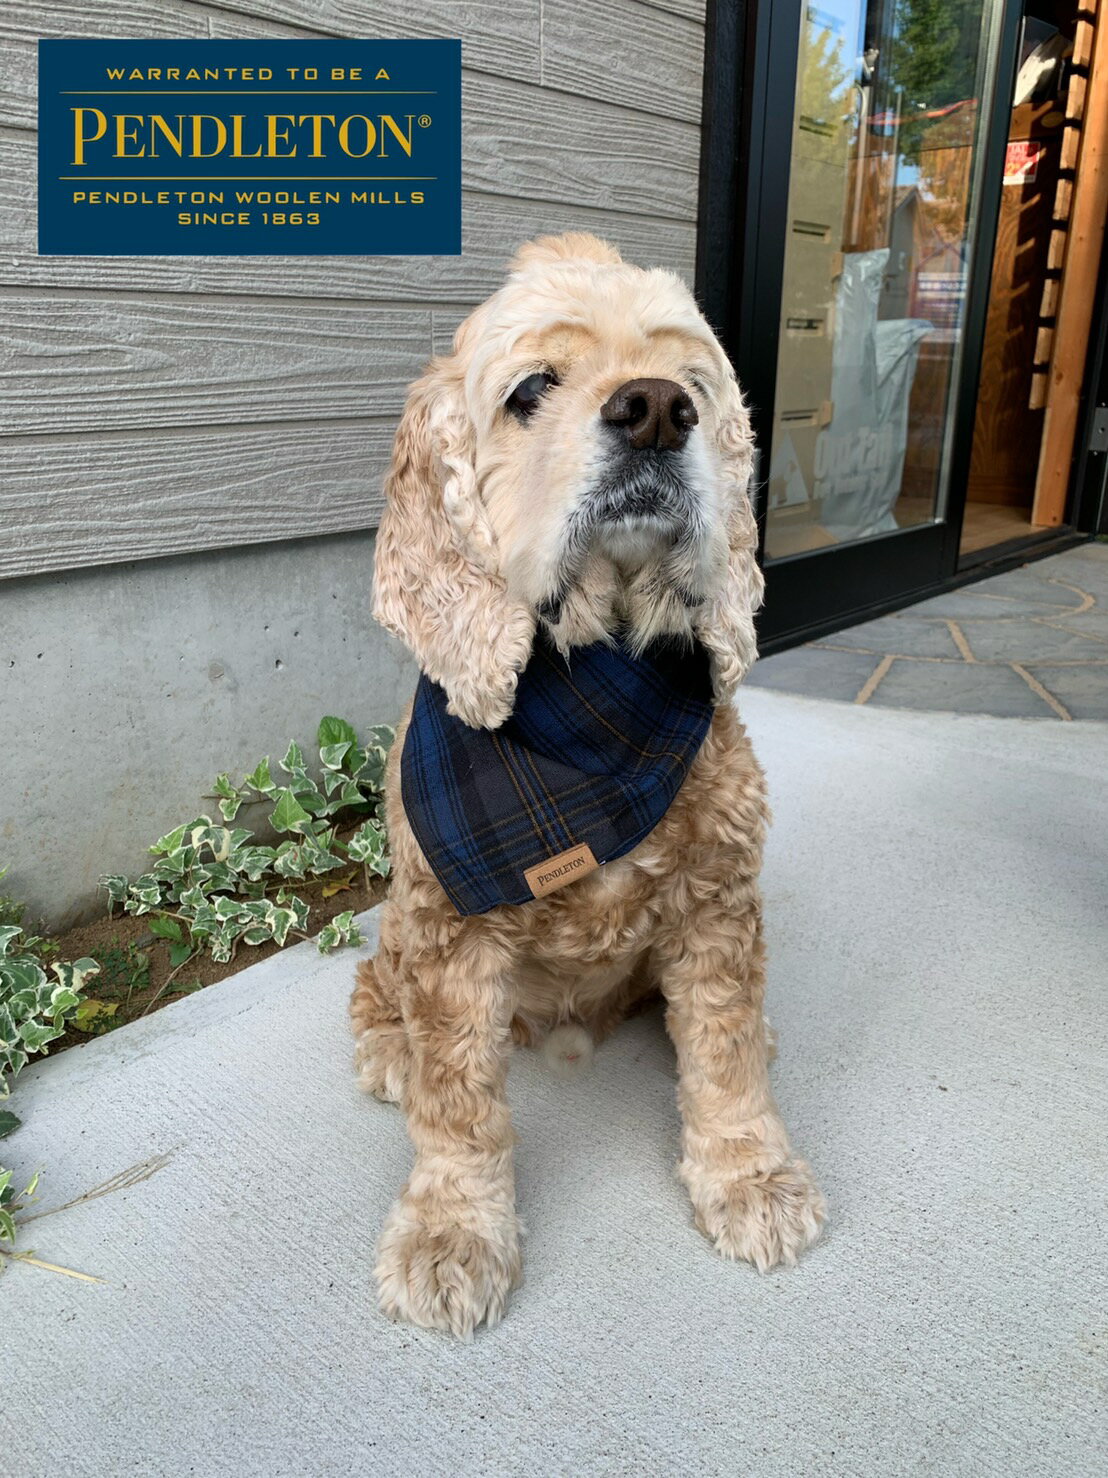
174,431
153,406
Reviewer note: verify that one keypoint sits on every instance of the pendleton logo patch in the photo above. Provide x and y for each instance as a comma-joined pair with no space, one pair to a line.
556,872
297,148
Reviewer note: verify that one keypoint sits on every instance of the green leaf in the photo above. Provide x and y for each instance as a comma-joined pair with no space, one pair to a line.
22,974
293,762
367,844
115,887
288,813
36,1035
260,779
170,842
280,921
335,731
332,755
341,930
165,928
8,1123
179,953
73,973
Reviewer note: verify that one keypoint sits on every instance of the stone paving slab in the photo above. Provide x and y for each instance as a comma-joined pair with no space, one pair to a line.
965,688
935,917
818,673
1081,690
977,604
891,634
996,647
1035,641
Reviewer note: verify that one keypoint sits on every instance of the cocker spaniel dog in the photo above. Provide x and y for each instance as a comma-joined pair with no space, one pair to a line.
569,487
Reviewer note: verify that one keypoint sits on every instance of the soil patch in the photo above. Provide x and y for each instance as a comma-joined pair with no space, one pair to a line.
136,975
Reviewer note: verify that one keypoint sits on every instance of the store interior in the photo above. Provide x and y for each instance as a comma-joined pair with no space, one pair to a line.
884,194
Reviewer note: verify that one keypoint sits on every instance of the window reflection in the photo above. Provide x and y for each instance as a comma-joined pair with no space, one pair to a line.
881,187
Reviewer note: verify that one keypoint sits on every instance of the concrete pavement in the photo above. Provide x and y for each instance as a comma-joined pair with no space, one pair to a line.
935,890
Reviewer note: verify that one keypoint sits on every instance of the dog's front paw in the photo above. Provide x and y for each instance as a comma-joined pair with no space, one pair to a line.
766,1218
381,1059
447,1269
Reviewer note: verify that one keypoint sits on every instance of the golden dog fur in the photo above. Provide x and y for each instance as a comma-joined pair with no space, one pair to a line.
476,506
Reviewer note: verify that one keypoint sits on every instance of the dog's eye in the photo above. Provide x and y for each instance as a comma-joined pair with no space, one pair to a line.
525,398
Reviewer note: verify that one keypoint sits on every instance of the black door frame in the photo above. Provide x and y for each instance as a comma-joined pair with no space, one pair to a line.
751,50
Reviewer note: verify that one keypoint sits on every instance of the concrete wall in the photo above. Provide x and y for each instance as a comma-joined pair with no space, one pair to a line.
157,411
124,691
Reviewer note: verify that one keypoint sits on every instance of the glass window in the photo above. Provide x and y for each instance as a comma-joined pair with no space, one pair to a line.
888,113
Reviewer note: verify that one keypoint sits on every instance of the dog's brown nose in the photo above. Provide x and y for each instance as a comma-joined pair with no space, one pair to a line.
653,413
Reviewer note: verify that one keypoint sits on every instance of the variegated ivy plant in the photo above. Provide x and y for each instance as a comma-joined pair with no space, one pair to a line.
214,886
34,1010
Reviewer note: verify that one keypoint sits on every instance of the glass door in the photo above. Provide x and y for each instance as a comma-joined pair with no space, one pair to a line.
859,277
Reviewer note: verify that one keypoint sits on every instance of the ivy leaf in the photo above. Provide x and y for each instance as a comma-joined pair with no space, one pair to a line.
293,762
7,934
8,1123
288,813
367,846
332,755
72,974
260,779
22,974
115,887
335,731
171,842
341,930
179,953
229,798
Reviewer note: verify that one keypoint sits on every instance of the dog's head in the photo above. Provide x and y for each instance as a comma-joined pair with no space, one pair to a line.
580,459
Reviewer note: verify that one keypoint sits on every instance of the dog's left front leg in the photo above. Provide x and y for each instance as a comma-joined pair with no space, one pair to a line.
449,1252
750,1195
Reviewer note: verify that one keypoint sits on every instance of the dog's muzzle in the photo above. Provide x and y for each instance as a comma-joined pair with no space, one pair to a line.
647,424
643,497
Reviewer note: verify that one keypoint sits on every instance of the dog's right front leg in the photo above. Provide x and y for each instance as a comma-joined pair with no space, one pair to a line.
449,1252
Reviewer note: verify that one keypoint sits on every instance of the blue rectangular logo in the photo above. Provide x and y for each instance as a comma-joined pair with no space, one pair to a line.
225,148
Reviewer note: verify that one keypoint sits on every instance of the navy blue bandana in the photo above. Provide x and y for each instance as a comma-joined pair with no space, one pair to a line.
589,762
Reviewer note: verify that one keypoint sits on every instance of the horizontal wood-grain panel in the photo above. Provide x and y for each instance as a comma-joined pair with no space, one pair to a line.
693,9
80,501
499,38
492,226
624,52
526,143
502,38
101,364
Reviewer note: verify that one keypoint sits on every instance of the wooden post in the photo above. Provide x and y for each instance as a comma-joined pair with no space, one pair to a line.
1076,293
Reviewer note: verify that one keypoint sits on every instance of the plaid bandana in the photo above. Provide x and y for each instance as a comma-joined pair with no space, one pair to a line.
589,762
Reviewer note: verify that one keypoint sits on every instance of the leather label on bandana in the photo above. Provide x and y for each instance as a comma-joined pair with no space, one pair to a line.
556,872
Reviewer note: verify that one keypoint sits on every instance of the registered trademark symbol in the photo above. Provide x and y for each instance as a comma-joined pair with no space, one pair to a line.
424,120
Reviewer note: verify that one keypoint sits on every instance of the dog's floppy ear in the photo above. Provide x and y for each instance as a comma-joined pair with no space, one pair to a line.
437,582
725,624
